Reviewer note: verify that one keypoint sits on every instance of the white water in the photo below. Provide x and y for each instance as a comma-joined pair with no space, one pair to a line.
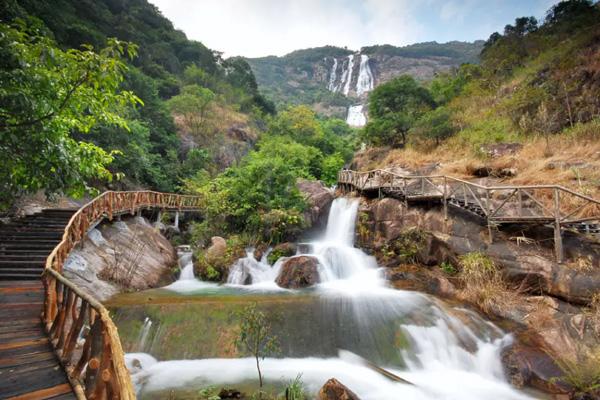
143,337
187,282
333,76
365,76
347,77
446,357
356,117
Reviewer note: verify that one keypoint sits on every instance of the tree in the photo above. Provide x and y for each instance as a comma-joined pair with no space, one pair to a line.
193,105
394,107
255,335
434,125
46,94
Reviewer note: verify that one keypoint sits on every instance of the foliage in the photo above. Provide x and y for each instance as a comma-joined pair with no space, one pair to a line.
581,371
192,104
394,107
448,268
255,336
295,389
406,247
434,125
482,282
47,93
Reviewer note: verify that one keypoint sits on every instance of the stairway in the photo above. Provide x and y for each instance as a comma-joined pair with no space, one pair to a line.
25,243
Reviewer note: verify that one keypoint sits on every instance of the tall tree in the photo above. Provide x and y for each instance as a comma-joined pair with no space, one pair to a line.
46,95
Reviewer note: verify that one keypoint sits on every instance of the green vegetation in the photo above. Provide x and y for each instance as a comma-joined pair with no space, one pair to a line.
46,94
297,78
534,80
295,389
259,196
405,247
256,337
71,90
582,371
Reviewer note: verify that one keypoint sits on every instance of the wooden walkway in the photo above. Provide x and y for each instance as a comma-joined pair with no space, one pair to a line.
29,368
551,205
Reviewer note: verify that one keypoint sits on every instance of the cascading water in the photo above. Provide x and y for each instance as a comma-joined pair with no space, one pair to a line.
364,83
143,338
446,352
348,74
356,117
333,76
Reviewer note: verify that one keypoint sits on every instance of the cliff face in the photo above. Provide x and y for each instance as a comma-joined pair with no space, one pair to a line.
337,81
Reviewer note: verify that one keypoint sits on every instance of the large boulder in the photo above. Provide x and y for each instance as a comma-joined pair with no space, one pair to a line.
217,249
335,390
319,199
298,272
121,256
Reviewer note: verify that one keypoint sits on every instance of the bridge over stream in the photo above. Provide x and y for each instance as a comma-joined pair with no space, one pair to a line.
73,351
550,205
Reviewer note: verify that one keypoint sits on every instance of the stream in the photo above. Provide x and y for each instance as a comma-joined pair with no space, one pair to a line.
180,338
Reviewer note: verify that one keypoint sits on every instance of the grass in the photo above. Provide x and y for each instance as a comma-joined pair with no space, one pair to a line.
581,371
482,282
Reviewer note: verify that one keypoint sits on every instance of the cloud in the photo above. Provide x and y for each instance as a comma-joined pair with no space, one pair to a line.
255,28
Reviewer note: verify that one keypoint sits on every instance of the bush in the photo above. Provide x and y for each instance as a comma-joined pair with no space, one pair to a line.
582,370
482,282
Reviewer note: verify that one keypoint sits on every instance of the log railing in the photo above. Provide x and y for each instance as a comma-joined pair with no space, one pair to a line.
542,204
79,327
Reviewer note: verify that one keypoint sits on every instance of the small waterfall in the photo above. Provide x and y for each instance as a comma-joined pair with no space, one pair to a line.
143,337
187,267
333,76
356,117
365,76
348,74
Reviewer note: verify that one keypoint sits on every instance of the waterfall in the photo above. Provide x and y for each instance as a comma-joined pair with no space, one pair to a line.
356,117
187,281
332,76
187,267
365,76
143,336
249,270
446,352
348,74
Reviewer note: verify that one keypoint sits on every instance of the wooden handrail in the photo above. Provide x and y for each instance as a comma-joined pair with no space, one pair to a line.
79,327
549,204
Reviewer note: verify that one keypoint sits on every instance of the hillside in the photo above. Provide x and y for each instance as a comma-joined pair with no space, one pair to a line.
162,148
528,114
330,79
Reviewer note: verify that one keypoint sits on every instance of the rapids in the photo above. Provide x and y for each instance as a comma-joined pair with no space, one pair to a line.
448,352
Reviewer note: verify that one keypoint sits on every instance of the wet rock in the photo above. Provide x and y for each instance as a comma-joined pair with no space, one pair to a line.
217,249
124,255
319,199
259,251
527,366
335,390
298,272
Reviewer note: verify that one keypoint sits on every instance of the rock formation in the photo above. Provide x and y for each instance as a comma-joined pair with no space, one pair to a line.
298,272
335,390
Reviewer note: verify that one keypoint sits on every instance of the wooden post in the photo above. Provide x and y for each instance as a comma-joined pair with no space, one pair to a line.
558,247
445,199
520,200
488,212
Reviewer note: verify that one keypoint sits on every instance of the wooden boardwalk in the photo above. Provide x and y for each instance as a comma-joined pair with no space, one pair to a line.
551,205
29,368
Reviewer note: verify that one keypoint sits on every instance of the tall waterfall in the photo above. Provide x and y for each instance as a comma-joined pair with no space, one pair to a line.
348,74
364,83
332,76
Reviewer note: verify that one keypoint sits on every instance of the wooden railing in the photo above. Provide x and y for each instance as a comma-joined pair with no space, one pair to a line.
79,327
541,204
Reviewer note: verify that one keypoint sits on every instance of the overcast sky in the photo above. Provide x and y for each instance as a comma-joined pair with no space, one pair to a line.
255,28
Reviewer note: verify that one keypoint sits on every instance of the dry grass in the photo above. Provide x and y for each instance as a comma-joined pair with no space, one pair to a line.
581,371
482,283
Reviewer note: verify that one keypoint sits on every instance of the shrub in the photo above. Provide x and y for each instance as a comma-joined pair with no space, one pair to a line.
482,282
582,370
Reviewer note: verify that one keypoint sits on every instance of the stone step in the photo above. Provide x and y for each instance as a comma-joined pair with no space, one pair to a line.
9,246
16,276
21,264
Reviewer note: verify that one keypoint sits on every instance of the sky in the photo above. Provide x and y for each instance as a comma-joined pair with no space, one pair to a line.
256,28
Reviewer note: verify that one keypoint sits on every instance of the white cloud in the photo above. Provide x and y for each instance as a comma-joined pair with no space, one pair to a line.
262,27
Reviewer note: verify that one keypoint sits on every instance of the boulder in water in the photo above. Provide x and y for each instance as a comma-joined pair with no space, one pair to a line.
319,199
217,249
335,390
298,272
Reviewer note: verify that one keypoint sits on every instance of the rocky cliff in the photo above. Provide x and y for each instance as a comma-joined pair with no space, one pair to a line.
336,81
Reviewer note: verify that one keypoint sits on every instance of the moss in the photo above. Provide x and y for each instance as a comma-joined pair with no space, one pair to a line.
405,248
282,250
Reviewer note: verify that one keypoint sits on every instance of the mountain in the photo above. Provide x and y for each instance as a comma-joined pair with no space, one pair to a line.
331,79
